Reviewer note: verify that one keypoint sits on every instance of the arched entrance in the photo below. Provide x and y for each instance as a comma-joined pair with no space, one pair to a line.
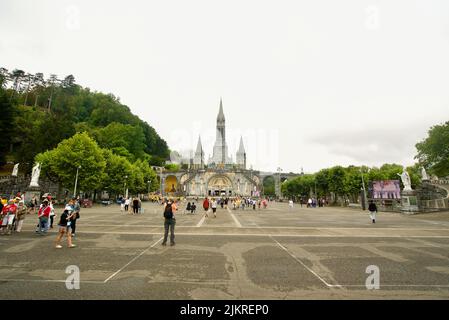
171,184
220,186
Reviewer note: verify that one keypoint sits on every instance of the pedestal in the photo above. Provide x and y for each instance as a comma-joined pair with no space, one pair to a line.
30,193
409,202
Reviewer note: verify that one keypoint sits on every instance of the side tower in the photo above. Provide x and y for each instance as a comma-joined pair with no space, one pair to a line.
198,160
241,155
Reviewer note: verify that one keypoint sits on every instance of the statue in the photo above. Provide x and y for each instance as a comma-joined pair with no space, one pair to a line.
35,175
406,180
424,174
15,170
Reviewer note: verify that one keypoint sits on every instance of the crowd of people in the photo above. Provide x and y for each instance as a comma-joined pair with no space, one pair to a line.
134,203
14,211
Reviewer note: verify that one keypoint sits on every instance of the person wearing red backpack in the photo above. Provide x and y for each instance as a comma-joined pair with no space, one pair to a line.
206,206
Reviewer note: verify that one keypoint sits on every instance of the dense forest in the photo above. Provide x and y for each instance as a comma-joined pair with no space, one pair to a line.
38,113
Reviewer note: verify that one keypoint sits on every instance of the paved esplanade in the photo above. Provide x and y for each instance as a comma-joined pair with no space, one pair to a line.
267,254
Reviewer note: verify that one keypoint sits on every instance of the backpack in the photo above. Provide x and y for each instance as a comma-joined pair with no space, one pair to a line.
168,212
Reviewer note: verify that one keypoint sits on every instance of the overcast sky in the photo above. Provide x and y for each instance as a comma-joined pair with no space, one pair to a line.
307,83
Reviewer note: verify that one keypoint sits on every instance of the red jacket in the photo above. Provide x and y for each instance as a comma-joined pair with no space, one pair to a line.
206,204
9,208
44,212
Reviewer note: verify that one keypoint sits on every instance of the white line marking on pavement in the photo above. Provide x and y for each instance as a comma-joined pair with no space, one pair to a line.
299,261
265,235
200,223
234,218
47,280
134,259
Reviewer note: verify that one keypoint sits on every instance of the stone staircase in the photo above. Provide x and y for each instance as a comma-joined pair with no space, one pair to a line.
434,196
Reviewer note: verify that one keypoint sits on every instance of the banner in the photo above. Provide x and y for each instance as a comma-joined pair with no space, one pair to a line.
386,189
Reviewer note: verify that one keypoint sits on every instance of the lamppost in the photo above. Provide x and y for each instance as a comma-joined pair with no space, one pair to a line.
364,191
279,177
148,186
76,181
124,188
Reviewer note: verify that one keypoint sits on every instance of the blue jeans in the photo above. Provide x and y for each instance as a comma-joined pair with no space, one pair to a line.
43,225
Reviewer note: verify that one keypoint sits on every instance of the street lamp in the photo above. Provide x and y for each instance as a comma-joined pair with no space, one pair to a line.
76,181
125,193
364,190
279,176
148,186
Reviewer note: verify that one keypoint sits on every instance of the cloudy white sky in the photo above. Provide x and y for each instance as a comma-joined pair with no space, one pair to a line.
307,83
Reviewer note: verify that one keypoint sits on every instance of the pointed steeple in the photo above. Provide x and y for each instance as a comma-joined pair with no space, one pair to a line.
198,159
241,155
221,116
241,147
199,147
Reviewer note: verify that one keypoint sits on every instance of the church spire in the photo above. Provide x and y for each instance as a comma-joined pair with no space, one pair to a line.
199,147
221,116
241,155
241,147
198,159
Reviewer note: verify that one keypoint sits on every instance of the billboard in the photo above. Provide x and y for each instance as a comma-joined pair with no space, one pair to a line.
386,189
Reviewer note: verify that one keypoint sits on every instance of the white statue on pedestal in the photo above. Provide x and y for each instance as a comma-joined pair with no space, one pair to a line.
424,174
35,175
406,180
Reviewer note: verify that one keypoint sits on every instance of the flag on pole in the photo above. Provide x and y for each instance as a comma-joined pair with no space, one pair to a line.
15,171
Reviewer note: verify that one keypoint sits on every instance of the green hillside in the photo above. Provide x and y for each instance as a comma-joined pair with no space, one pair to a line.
38,113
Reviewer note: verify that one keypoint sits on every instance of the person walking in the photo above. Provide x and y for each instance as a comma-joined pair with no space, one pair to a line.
122,204
20,216
206,205
214,207
169,222
290,204
372,208
135,205
193,208
76,214
309,203
52,216
127,202
65,228
43,215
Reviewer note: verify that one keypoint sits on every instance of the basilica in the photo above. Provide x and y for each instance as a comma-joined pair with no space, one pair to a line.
219,176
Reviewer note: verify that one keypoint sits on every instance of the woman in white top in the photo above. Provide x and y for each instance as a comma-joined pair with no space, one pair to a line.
127,202
214,207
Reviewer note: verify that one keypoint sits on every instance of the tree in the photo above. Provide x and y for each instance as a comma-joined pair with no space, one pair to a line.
6,120
117,168
433,152
337,181
63,161
17,76
123,139
4,77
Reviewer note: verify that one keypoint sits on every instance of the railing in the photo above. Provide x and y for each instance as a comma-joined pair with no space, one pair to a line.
437,204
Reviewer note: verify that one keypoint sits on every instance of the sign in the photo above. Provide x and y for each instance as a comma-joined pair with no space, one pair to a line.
386,189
